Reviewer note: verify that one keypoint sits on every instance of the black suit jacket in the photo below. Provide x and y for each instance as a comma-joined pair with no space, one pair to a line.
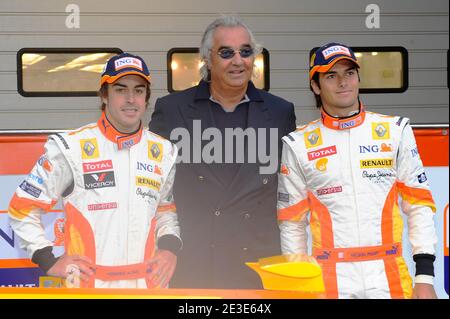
222,227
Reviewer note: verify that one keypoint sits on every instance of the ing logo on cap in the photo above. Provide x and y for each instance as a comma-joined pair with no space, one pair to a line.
336,49
128,62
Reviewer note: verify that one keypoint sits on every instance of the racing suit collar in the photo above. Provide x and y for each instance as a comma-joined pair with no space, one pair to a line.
343,123
123,140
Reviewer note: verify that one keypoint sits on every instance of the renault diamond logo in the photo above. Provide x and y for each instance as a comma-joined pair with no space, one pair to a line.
155,150
380,130
89,148
313,138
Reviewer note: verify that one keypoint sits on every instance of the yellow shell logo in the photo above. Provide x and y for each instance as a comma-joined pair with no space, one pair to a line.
321,164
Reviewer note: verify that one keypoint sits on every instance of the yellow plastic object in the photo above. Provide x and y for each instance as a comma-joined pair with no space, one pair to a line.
296,272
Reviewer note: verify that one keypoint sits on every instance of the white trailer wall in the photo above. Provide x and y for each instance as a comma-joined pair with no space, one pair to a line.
287,28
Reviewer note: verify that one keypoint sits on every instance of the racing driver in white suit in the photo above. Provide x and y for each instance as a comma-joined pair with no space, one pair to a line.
342,174
115,179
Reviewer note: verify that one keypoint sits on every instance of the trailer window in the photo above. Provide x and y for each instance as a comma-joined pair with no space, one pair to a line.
383,69
183,69
61,72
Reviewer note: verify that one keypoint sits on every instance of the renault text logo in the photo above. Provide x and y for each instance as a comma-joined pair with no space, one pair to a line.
377,163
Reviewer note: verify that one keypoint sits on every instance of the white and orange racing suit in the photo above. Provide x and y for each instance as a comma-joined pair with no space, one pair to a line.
343,178
117,196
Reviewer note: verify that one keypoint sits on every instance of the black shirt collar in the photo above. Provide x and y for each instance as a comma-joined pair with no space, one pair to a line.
204,94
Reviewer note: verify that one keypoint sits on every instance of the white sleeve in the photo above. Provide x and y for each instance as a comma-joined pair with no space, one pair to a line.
292,204
417,201
166,213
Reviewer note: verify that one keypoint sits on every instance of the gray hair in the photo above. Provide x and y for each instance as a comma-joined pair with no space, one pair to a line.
207,40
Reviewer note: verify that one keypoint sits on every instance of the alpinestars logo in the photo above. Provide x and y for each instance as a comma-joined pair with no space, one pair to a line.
99,180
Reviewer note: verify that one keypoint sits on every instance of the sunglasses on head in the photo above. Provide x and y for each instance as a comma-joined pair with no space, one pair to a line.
228,53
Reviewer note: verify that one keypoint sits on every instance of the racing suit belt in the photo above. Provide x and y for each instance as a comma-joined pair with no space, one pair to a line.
126,272
357,253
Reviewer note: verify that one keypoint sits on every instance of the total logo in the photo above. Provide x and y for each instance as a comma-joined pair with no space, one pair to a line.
97,166
327,151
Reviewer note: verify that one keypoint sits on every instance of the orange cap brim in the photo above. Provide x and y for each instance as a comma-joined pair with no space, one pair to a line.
112,79
327,67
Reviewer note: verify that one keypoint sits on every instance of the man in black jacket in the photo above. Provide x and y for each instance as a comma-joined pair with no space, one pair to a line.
229,134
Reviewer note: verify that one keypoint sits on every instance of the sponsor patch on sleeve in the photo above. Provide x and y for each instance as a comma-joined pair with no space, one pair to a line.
414,152
284,169
422,178
283,197
30,189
